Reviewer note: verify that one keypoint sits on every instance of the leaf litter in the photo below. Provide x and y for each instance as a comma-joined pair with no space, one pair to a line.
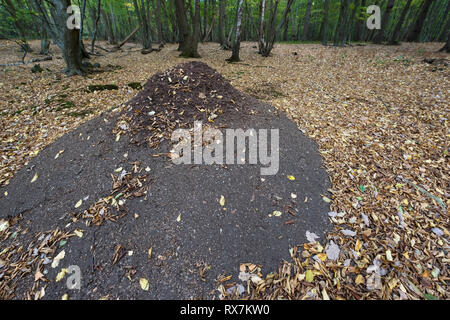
388,167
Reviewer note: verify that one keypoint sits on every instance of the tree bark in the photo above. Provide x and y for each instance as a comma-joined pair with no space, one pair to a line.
221,22
341,28
306,24
418,25
324,28
237,38
158,21
97,18
396,35
189,43
384,22
261,27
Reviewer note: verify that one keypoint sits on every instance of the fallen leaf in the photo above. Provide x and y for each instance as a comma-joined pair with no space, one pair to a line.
144,284
222,200
79,203
34,178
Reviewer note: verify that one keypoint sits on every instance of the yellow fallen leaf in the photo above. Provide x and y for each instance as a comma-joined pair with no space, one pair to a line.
79,203
79,233
179,218
61,274
59,153
309,276
322,256
118,137
276,213
58,258
358,245
144,284
34,178
222,200
150,253
292,178
359,279
65,297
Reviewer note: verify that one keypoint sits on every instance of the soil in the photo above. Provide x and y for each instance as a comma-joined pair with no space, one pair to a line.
134,200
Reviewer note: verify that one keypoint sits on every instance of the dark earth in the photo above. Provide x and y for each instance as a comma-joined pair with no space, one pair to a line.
173,209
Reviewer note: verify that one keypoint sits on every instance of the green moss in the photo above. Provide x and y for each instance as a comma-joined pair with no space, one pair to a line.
101,87
135,85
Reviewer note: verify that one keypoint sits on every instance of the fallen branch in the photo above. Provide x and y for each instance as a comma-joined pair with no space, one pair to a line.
27,62
97,46
126,39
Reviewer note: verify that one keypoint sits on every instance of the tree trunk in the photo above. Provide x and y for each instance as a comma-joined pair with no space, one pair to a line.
417,27
189,42
237,38
306,24
70,39
272,31
360,25
446,26
97,17
324,28
398,26
84,53
384,22
341,28
221,22
261,27
446,48
108,27
158,21
143,22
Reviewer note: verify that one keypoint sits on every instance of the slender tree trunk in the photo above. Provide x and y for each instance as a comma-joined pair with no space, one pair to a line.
306,24
396,34
261,42
341,28
446,26
286,26
221,22
97,18
418,25
384,22
205,17
84,53
158,21
237,38
360,25
324,28
45,43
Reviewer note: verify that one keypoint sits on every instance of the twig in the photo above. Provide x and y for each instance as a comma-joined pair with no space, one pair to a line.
387,107
255,66
441,203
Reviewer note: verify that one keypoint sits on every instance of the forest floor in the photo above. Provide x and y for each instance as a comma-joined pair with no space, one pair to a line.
378,114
